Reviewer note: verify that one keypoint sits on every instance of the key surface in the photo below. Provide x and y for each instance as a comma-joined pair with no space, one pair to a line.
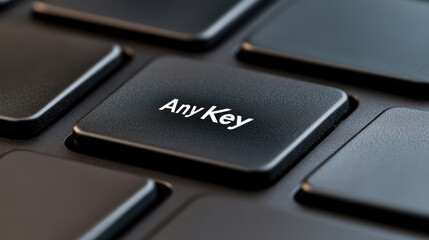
45,197
375,37
381,173
44,72
216,217
288,118
190,21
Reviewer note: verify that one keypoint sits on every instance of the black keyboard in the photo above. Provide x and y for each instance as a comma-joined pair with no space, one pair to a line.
234,119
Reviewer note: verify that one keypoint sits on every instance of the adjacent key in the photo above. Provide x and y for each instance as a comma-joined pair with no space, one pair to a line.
382,173
216,217
381,38
193,22
44,72
45,197
230,125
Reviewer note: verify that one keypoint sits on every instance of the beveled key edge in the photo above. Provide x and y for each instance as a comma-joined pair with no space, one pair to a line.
124,213
198,41
231,174
31,126
311,197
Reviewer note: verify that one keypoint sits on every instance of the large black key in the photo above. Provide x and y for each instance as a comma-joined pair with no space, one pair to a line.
45,197
216,217
193,22
381,173
375,37
230,125
44,72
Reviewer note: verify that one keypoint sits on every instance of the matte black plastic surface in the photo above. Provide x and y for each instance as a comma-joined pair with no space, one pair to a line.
191,21
279,196
40,194
42,73
216,217
386,38
285,118
384,168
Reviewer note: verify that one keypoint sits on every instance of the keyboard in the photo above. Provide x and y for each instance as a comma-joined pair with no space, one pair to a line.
234,119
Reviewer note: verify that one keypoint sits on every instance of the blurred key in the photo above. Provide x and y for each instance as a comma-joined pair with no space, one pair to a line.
4,2
197,23
44,72
45,197
229,125
381,174
384,39
217,217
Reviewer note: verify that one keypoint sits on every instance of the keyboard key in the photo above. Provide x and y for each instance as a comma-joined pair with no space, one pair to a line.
193,22
43,73
215,217
234,126
45,197
381,173
384,39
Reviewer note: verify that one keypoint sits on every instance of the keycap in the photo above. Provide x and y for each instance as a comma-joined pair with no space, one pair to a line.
216,217
380,174
44,72
377,43
228,125
46,197
196,24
